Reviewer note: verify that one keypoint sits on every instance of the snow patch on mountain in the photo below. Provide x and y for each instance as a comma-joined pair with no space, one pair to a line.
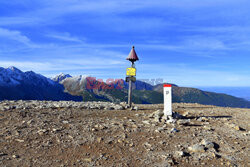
60,77
12,76
75,84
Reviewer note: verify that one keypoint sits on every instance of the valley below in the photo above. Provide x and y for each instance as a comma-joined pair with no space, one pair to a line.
67,133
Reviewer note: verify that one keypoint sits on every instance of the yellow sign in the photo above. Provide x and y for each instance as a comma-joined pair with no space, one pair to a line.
131,71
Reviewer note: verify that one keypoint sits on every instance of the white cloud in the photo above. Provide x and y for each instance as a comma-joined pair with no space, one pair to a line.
204,43
66,37
27,65
64,64
114,6
14,35
49,11
179,73
219,29
201,46
10,21
186,75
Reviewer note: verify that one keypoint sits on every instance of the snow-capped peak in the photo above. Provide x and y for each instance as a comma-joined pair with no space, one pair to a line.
75,84
60,77
12,76
14,69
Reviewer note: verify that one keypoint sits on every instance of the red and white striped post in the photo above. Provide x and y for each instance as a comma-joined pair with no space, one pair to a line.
167,92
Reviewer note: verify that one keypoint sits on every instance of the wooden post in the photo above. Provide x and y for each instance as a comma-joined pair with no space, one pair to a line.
130,94
130,89
132,57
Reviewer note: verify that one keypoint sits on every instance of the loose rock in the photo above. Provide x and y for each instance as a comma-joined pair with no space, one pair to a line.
197,148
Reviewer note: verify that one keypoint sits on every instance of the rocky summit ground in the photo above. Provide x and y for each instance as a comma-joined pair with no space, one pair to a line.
46,133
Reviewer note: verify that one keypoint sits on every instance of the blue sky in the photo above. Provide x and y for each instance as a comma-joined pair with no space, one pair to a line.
186,42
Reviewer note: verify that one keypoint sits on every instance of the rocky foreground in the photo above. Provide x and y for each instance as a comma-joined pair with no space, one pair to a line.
45,133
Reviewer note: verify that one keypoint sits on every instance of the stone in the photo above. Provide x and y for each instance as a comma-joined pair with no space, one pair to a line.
30,122
136,108
131,120
146,122
157,119
19,140
159,113
2,108
126,106
94,129
207,143
214,155
147,145
124,136
99,139
119,140
65,122
173,130
109,141
208,128
197,148
183,121
123,103
180,153
131,145
15,156
87,159
170,120
2,154
55,130
238,128
205,119
186,113
42,131
176,115
160,129
108,108
119,107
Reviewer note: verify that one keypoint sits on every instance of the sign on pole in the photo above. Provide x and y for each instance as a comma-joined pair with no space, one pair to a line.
167,92
131,71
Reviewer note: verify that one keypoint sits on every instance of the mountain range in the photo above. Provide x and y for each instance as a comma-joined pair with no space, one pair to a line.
18,85
242,91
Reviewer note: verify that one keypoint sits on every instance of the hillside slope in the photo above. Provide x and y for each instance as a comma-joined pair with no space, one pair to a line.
193,95
144,93
66,133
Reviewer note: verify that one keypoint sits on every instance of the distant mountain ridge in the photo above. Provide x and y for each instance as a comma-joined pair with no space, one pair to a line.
241,92
193,95
18,85
12,77
147,94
